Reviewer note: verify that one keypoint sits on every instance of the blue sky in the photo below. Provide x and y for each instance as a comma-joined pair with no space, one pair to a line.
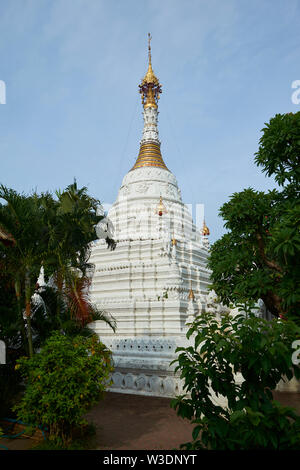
72,69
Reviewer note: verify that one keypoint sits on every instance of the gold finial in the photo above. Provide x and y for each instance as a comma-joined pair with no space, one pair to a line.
174,241
191,293
160,210
205,229
150,87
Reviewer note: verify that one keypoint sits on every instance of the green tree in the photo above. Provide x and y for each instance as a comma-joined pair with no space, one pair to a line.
76,311
71,220
279,150
21,216
259,256
56,234
259,350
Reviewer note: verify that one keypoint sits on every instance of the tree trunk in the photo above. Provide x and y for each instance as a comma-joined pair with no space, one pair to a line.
273,303
59,280
20,314
28,311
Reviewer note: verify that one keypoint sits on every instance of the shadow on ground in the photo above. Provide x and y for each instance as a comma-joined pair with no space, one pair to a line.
138,422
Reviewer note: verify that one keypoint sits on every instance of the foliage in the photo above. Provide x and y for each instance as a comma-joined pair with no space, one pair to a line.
85,440
71,220
11,322
63,381
48,232
76,312
10,389
279,149
21,217
10,333
261,352
259,256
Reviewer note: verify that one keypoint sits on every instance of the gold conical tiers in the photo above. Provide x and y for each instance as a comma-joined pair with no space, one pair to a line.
149,155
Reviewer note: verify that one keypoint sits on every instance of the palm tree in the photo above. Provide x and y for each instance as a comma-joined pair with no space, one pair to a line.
75,307
21,218
55,234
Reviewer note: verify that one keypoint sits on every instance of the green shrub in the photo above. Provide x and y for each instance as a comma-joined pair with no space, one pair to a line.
261,351
63,381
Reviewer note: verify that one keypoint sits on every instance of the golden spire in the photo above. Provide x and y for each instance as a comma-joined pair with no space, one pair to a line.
150,87
191,293
205,229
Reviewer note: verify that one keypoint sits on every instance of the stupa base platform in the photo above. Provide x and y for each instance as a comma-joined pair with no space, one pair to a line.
146,382
143,365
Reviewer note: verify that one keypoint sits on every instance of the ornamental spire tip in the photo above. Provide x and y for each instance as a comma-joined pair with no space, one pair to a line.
150,87
149,47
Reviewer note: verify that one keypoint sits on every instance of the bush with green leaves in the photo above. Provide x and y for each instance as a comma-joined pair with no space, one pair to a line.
261,351
63,382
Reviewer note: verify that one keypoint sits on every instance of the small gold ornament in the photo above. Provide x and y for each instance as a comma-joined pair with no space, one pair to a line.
191,294
205,229
160,210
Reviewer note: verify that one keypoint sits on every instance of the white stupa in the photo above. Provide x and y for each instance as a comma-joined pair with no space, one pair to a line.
156,279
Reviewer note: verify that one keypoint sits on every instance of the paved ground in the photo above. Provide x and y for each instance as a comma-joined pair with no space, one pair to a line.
139,422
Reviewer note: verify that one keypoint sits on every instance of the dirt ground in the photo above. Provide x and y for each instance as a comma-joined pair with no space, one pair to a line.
133,422
136,422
